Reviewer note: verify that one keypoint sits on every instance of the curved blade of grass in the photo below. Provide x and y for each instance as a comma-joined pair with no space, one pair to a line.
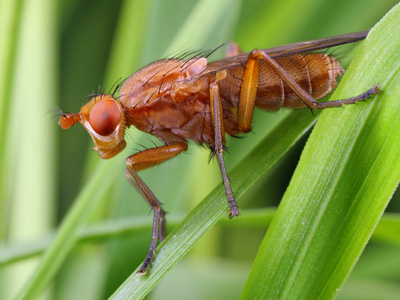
386,232
345,178
210,210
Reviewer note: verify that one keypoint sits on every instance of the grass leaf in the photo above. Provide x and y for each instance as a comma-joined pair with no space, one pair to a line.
346,176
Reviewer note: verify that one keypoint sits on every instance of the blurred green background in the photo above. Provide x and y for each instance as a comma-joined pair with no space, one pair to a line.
53,53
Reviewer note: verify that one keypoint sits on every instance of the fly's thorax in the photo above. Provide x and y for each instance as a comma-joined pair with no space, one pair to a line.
169,99
160,77
103,117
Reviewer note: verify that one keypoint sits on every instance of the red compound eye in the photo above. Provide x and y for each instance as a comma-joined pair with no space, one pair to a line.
104,117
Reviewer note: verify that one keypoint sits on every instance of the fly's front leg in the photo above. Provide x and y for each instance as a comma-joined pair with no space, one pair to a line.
143,160
219,139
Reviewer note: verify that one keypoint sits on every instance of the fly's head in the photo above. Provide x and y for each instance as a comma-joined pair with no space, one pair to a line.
103,117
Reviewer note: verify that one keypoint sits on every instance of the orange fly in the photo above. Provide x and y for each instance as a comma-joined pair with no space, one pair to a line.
178,100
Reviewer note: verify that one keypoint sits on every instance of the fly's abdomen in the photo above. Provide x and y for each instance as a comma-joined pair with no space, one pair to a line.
315,73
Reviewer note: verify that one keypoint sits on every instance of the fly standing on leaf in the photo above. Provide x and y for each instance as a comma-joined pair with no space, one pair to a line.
178,100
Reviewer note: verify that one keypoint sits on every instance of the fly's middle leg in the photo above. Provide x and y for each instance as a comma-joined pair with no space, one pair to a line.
219,140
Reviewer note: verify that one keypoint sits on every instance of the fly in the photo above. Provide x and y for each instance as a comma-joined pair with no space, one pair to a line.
178,100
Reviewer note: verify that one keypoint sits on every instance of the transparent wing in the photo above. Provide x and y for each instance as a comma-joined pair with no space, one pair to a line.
287,50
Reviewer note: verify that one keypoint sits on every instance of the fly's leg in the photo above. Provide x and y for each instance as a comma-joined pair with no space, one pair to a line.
162,219
219,140
249,87
143,160
232,49
372,91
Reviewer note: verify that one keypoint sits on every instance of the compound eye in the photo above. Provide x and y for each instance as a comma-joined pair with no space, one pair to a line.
104,117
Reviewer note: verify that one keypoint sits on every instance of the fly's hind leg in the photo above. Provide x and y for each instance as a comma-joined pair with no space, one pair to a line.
249,88
143,160
335,103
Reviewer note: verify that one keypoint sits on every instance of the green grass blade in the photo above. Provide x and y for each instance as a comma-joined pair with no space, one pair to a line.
387,231
346,176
